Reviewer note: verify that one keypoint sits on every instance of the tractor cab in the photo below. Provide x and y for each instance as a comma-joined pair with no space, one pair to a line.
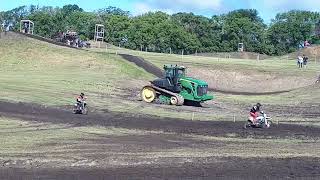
173,73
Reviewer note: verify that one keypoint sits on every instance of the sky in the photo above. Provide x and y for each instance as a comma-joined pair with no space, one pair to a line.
267,8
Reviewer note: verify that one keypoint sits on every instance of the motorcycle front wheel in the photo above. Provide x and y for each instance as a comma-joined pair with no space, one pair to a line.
85,110
267,126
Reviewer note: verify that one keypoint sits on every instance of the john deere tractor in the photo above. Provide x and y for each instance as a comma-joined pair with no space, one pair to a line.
175,88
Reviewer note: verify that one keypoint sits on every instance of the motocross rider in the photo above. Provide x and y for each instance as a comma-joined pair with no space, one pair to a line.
254,112
81,99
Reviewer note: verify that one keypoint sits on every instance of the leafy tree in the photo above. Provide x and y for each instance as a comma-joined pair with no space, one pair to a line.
161,32
289,30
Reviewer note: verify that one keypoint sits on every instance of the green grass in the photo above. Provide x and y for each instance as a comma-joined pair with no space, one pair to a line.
33,71
278,65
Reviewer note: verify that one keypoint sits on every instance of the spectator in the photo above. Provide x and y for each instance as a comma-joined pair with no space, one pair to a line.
7,29
306,44
305,61
26,28
300,61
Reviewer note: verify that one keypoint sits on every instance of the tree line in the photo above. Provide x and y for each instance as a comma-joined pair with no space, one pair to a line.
161,32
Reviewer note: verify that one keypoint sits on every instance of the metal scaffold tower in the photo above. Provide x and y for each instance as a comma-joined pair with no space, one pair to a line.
99,32
240,47
26,26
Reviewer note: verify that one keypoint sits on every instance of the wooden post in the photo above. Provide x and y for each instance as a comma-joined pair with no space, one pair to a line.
182,53
234,118
170,50
192,116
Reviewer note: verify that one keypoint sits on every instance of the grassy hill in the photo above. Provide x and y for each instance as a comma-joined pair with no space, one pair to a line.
39,72
237,75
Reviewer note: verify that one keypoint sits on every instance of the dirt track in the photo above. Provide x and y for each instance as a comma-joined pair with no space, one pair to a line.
207,168
133,121
225,168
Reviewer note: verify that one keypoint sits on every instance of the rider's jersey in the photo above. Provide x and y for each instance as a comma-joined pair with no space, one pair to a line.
255,109
80,99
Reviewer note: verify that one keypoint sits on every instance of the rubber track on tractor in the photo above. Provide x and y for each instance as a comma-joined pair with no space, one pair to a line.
164,91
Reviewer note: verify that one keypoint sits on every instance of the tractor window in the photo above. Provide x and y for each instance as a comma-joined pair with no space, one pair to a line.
169,73
181,73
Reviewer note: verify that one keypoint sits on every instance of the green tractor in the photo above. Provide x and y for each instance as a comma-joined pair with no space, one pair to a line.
175,88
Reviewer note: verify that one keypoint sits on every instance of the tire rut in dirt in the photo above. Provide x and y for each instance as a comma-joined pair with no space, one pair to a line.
33,112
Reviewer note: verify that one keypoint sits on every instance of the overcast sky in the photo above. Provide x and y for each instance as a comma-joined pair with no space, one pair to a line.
267,8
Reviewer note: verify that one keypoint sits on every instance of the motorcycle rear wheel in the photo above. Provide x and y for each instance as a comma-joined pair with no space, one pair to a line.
247,125
75,110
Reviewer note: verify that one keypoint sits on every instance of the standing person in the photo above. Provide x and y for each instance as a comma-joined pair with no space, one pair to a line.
300,61
7,28
305,61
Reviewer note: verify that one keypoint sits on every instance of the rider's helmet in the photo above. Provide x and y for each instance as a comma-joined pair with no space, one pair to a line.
258,105
82,94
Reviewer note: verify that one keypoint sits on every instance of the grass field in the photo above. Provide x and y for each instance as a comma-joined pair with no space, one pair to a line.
33,71
280,65
122,133
276,66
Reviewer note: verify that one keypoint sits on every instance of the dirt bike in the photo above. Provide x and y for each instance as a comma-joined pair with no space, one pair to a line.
263,121
80,108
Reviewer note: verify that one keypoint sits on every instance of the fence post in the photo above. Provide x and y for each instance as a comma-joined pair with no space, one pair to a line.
182,53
